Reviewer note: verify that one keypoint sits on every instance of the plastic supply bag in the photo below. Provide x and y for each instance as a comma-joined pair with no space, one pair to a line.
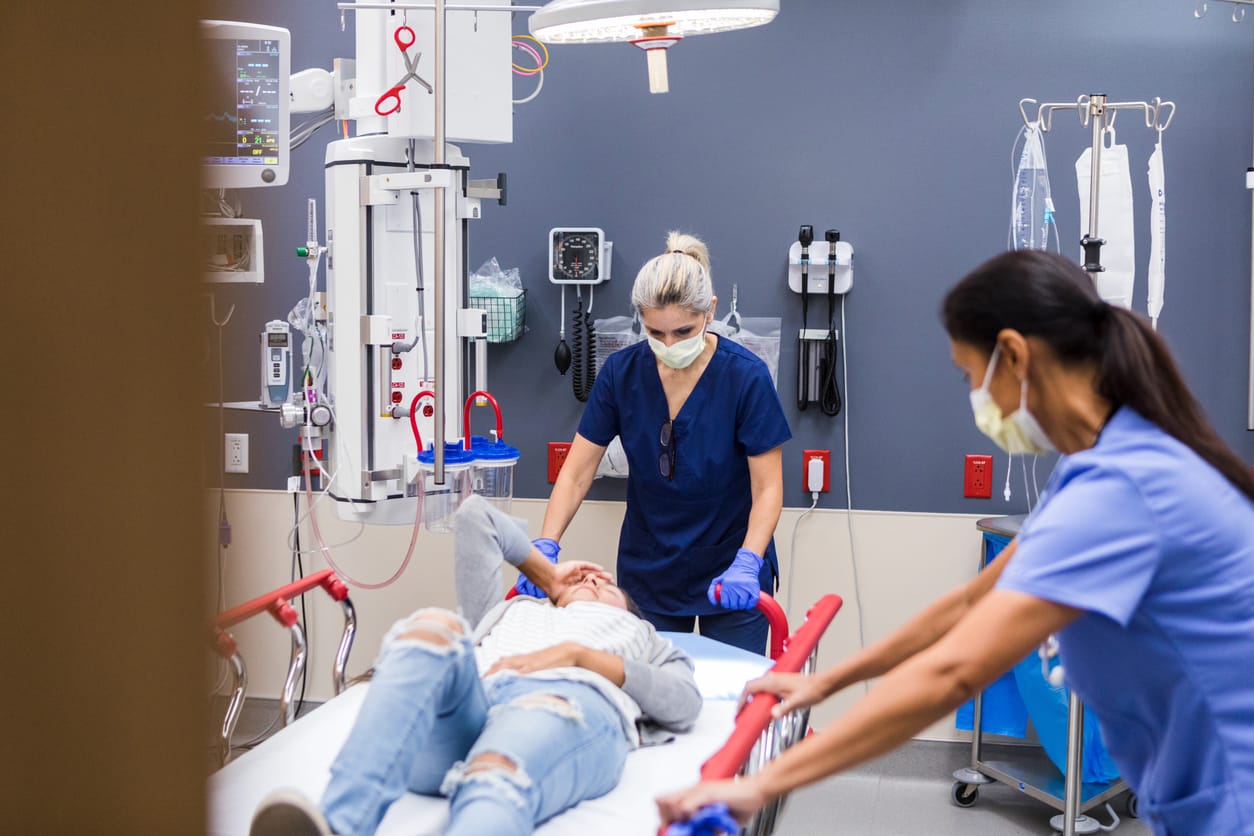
500,293
615,333
1022,693
491,280
759,334
613,461
1048,706
313,349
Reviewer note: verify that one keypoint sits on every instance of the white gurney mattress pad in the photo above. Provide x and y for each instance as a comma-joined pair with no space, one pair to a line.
300,756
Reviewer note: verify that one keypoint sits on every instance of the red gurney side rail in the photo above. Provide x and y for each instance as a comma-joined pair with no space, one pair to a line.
276,602
755,717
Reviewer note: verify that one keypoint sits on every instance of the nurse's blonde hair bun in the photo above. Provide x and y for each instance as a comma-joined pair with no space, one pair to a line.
689,245
679,276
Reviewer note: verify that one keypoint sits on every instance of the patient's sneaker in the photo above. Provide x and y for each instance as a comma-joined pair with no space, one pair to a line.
285,812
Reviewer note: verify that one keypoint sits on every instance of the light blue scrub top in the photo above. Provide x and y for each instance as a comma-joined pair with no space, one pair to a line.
1158,548
678,534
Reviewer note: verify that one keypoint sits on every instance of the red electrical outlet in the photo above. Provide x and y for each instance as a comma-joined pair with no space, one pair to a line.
557,458
824,456
977,482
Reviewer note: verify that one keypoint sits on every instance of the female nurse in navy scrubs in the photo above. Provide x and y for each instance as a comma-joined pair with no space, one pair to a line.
1139,558
702,426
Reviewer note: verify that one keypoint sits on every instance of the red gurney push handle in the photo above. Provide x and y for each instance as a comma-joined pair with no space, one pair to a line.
756,715
775,617
275,602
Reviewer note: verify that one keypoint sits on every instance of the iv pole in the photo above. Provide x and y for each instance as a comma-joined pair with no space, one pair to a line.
1096,113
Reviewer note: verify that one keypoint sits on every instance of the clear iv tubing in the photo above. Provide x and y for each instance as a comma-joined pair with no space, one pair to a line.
326,553
330,480
853,555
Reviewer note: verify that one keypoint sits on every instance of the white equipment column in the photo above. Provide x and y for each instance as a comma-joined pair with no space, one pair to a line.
372,277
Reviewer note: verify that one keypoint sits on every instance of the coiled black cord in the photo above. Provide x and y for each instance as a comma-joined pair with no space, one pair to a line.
577,351
829,391
590,352
583,351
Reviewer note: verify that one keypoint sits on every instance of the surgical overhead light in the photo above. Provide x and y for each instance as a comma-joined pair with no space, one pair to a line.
652,25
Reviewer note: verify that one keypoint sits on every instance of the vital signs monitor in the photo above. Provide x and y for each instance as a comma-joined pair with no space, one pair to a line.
245,105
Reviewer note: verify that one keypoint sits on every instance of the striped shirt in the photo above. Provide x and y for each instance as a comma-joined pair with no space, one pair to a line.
531,625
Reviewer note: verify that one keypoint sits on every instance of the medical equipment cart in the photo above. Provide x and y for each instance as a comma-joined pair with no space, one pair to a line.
1031,772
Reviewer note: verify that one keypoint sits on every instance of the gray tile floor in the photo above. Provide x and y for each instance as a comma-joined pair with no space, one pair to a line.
905,793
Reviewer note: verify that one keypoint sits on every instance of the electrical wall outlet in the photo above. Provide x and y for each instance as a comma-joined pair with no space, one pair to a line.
977,482
235,453
557,457
824,470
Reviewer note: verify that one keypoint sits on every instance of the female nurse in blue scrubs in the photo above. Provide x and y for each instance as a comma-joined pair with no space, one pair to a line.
702,426
1139,558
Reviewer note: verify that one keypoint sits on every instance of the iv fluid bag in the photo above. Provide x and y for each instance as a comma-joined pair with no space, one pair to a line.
1114,221
1156,276
1032,210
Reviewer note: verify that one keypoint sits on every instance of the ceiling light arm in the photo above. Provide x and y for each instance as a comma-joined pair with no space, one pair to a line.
655,40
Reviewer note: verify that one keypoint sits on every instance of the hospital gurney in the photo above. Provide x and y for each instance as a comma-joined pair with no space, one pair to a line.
301,754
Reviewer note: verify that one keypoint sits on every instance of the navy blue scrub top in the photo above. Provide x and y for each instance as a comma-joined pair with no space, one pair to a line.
680,534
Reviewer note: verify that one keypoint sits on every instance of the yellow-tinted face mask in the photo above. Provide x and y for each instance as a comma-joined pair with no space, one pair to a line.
680,355
1017,432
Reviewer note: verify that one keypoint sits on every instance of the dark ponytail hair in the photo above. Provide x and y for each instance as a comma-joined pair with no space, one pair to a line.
1044,295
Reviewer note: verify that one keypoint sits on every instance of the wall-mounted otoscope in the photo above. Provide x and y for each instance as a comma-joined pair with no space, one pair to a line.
807,342
817,347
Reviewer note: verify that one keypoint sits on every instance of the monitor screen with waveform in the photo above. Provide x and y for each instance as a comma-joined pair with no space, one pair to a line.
245,107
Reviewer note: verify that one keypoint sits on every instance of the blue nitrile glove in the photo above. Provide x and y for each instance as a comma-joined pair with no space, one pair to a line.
711,820
740,583
550,549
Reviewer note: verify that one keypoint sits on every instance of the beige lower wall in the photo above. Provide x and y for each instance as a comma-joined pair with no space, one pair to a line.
904,561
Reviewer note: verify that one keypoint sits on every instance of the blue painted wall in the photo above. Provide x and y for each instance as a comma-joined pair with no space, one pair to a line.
890,121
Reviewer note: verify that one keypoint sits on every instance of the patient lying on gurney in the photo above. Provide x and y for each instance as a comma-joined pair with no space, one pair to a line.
516,712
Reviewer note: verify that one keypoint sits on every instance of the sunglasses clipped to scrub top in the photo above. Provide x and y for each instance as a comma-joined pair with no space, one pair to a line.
666,461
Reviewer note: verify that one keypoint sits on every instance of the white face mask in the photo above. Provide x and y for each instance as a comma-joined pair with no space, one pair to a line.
1018,432
679,355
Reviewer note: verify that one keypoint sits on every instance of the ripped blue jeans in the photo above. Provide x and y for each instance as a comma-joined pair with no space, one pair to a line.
428,716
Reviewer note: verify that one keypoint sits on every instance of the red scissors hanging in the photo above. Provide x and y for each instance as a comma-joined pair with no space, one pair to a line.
405,38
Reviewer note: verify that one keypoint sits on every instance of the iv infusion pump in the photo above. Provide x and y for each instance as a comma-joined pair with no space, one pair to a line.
276,363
